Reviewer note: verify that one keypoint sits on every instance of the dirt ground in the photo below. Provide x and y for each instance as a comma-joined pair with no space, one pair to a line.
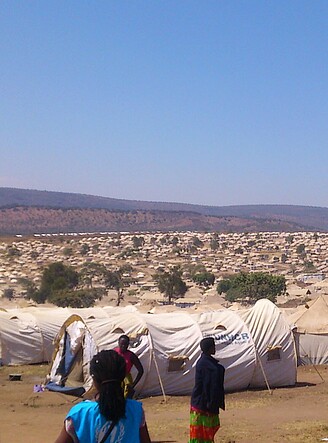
297,414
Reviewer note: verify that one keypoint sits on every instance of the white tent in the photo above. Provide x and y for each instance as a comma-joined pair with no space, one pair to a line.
274,342
49,321
21,340
235,348
247,344
27,335
310,326
168,347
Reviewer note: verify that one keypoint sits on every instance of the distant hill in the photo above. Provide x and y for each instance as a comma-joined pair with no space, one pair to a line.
29,220
28,211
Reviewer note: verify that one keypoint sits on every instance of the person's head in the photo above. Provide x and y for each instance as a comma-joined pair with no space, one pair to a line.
123,343
207,345
107,369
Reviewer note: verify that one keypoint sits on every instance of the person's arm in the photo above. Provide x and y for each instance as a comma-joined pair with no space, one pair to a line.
63,437
221,390
143,434
137,363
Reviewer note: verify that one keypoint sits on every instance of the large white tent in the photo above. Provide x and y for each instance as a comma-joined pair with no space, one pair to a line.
274,343
234,344
168,347
310,326
21,340
27,335
255,346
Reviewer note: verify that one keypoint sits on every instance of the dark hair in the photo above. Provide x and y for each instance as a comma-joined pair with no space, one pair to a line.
124,337
108,370
207,343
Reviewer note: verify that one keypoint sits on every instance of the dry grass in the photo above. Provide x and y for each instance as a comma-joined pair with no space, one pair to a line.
305,431
289,415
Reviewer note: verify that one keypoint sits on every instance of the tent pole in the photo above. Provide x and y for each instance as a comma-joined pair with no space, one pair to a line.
262,369
158,374
312,364
318,372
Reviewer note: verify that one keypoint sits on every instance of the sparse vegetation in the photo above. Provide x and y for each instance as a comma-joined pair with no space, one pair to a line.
115,253
82,298
9,293
56,277
204,279
246,287
12,251
171,283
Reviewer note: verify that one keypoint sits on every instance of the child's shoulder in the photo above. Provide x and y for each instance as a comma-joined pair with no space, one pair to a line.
84,405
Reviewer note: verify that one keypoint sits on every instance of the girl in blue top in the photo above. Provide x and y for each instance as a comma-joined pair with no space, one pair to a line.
111,418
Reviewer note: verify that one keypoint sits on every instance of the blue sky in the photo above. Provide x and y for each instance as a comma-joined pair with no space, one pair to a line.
208,102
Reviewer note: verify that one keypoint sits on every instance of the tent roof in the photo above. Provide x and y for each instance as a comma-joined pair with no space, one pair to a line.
313,317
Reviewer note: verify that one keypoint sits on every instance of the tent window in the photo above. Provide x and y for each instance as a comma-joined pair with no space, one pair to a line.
274,353
118,331
220,328
177,363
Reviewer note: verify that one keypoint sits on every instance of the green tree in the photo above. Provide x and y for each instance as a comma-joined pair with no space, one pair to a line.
91,271
127,252
56,277
95,248
138,242
12,251
82,298
192,269
8,293
164,240
176,250
204,279
283,258
289,239
126,268
84,249
197,242
114,280
29,286
175,240
68,251
250,287
300,249
170,283
309,266
224,286
214,244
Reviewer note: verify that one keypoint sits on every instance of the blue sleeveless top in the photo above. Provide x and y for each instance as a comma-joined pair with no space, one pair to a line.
90,426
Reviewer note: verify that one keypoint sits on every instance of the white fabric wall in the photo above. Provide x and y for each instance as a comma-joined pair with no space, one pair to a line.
26,338
310,327
21,340
269,328
49,321
312,349
234,345
171,335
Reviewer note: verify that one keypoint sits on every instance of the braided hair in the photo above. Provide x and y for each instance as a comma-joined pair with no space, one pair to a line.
108,370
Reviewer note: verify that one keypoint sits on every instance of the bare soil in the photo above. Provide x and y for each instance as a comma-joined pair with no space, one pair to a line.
296,414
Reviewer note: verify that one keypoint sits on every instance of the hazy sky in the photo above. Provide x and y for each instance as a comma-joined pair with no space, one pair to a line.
209,102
